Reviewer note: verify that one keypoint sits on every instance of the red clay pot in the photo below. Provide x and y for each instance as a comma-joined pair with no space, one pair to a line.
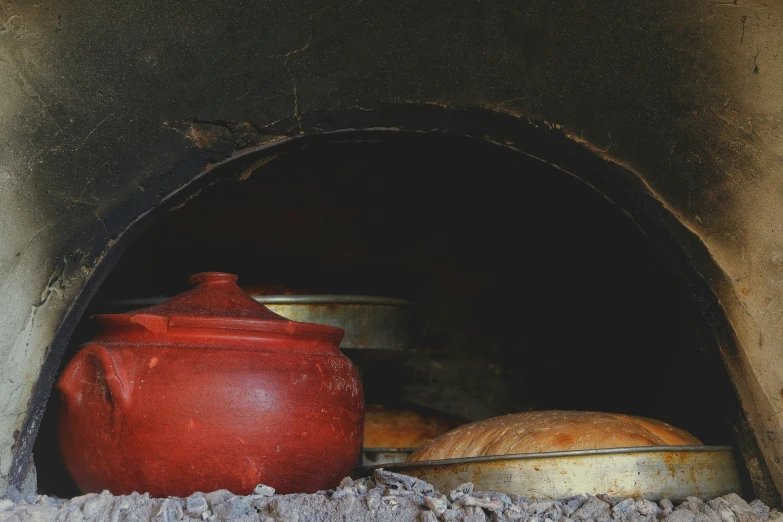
210,390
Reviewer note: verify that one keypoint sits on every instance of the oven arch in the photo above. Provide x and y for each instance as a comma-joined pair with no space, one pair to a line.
545,142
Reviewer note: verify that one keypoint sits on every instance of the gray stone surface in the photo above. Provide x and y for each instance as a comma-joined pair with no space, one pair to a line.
386,497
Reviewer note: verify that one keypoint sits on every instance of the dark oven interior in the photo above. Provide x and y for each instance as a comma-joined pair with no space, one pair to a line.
536,291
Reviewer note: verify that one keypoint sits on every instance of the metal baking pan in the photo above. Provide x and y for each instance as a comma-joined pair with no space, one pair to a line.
378,456
653,473
375,323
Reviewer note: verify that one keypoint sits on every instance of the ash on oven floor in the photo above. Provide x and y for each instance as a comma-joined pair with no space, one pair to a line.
385,497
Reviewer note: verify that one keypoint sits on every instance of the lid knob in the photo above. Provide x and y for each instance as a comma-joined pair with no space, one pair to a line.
212,278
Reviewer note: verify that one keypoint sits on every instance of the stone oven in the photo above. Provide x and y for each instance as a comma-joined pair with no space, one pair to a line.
585,198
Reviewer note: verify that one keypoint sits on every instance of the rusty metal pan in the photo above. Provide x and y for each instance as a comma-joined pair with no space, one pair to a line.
375,323
654,473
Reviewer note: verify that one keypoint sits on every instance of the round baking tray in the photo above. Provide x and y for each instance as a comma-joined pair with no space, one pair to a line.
377,456
370,323
653,473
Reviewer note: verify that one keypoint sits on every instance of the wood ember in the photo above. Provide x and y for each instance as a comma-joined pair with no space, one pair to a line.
384,497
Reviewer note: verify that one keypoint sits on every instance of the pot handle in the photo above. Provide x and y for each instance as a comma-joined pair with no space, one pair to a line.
94,374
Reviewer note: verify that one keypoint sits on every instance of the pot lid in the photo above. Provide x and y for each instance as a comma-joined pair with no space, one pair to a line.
215,302
216,294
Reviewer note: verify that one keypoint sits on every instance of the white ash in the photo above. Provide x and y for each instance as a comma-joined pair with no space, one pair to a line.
384,497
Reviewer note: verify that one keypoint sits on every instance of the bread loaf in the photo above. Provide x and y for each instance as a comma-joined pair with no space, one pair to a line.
544,431
399,428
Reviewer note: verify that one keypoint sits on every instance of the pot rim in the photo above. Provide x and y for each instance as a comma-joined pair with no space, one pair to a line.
161,324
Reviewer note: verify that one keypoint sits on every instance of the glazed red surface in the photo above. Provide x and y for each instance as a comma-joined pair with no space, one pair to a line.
155,407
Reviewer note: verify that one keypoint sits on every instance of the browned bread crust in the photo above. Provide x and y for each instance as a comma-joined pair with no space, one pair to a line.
543,431
400,429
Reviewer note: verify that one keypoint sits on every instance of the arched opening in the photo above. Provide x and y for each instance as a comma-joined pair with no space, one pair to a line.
536,291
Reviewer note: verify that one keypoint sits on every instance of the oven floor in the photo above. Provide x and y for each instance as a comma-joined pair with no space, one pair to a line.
387,496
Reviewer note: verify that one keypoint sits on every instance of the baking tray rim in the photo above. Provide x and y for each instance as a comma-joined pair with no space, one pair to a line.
287,299
556,454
